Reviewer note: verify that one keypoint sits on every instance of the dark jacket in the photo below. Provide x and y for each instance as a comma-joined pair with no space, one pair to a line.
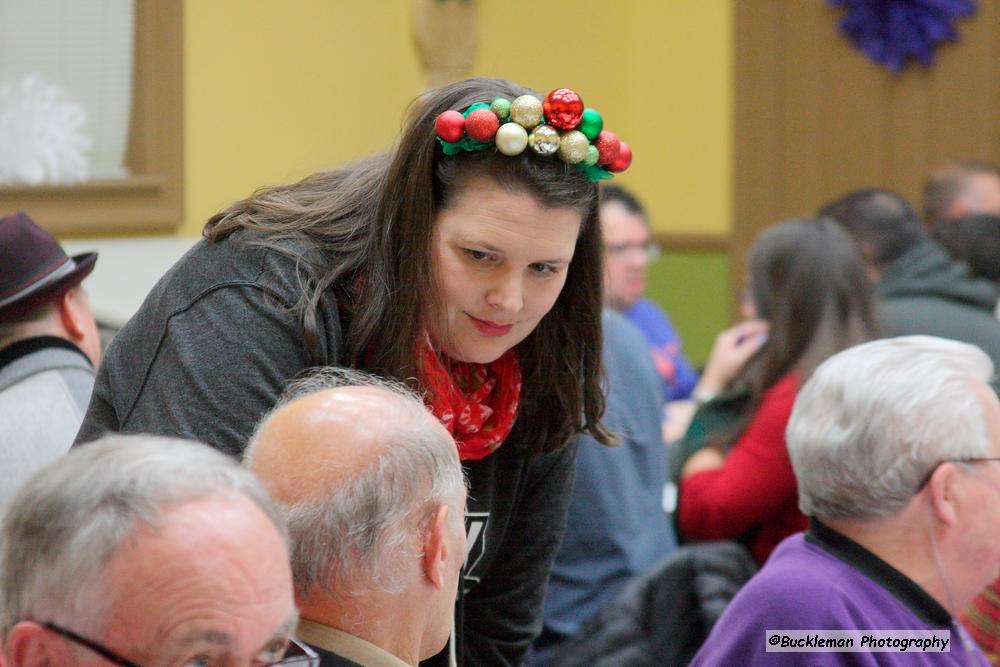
662,618
926,292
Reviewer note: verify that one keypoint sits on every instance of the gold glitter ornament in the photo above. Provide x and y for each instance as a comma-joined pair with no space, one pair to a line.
544,140
511,139
573,147
526,111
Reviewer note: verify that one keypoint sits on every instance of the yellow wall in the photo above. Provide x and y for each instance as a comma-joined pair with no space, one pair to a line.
681,109
277,90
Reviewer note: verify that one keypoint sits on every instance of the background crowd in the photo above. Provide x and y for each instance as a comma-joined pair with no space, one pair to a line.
425,408
397,544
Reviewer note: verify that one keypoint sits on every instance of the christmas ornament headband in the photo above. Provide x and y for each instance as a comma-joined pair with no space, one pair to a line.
560,125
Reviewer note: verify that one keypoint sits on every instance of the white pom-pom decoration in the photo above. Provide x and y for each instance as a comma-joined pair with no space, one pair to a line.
42,137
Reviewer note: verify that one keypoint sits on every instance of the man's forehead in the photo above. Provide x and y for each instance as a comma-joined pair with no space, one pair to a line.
202,539
986,189
617,222
212,572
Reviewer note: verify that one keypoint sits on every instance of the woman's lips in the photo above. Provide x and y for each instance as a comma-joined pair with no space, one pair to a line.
488,328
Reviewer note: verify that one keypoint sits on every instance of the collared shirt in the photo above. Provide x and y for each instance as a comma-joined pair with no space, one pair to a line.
346,645
861,559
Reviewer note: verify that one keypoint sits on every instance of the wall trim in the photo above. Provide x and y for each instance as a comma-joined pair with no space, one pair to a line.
704,242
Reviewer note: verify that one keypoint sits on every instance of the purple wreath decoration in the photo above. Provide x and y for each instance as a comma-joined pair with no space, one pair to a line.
892,31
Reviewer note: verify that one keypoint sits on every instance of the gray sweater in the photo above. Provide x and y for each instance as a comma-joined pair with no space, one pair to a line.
45,383
926,292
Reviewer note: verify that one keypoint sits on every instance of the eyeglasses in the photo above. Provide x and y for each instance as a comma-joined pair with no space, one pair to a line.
975,459
651,250
297,654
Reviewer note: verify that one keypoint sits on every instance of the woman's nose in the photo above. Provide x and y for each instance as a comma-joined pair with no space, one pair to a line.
507,294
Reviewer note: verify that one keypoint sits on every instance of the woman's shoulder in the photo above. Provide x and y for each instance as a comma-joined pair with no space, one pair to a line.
775,407
783,391
246,258
251,249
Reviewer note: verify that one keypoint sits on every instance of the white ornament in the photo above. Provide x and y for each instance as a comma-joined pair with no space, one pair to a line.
511,139
41,135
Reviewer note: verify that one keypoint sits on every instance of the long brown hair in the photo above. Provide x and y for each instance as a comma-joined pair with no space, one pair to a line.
369,226
808,281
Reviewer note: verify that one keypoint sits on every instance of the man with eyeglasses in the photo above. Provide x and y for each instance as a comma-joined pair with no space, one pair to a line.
629,250
374,495
896,449
146,551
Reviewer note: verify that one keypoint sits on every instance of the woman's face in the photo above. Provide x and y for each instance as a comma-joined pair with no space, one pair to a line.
500,261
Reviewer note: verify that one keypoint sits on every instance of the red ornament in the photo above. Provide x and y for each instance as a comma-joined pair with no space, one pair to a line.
450,126
624,159
608,146
482,125
563,109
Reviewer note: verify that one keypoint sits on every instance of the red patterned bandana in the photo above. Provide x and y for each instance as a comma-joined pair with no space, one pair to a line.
477,403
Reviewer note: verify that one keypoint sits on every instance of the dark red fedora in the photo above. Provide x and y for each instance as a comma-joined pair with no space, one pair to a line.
33,266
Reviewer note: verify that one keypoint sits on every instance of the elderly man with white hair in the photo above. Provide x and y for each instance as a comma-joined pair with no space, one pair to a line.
145,551
373,492
896,448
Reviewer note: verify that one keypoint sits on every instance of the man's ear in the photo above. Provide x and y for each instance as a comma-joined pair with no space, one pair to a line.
28,644
941,489
436,547
73,313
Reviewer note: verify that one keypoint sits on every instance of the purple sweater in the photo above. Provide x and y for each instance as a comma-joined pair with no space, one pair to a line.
821,580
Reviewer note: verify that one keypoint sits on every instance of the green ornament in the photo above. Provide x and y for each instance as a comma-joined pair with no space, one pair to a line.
477,105
592,155
501,108
595,172
591,123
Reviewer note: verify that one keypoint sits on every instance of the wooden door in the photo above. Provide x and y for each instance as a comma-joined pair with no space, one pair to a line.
815,118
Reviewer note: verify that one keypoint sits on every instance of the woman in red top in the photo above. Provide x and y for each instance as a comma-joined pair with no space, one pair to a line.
810,298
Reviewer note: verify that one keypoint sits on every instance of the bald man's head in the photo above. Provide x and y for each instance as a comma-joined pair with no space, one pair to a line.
319,440
961,188
358,466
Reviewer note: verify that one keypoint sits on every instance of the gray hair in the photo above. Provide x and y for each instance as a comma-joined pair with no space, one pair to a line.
872,422
354,537
64,526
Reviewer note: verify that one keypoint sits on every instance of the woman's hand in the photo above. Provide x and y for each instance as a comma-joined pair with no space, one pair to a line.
708,458
676,419
731,351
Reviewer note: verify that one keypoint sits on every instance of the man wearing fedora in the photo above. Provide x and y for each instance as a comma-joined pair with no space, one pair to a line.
49,349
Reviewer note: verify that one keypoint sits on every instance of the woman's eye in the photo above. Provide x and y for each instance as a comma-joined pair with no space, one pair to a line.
477,255
544,268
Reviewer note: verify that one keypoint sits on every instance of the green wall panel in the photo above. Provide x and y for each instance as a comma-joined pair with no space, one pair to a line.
693,287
